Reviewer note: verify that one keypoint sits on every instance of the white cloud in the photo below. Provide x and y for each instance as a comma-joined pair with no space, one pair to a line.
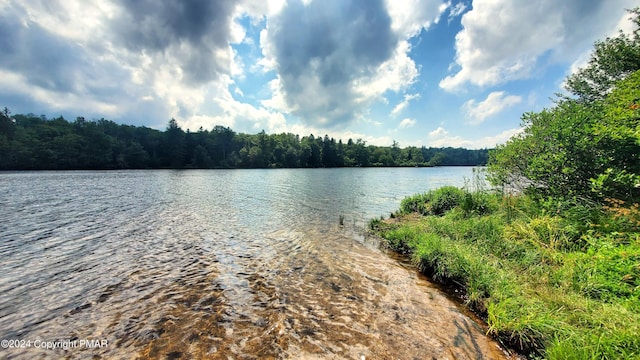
16,84
344,61
84,54
407,123
441,138
344,135
77,20
456,11
500,41
98,64
624,24
395,74
438,133
242,117
145,63
409,17
404,103
277,100
503,40
256,9
495,102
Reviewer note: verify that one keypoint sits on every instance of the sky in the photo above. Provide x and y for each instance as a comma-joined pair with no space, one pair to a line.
422,73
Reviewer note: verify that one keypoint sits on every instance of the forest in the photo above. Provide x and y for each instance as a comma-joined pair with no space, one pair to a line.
30,142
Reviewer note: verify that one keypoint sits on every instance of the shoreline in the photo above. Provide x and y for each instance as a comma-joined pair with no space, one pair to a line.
542,288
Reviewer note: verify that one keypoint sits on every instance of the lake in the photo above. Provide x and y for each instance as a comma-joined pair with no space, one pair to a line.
219,264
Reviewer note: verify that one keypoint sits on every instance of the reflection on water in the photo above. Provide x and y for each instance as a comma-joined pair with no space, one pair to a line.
220,264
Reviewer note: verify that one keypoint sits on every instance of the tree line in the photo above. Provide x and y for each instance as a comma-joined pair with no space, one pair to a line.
30,142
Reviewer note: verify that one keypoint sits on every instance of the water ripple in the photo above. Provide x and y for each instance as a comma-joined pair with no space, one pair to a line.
218,264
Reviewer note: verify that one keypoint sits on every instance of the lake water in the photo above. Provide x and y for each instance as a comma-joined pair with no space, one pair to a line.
243,264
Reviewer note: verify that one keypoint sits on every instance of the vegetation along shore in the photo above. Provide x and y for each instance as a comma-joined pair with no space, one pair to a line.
549,255
30,142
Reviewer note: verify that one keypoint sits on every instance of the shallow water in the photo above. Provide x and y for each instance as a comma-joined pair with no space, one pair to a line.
219,264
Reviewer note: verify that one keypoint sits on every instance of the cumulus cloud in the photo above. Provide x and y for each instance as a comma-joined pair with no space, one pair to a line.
324,66
404,103
409,17
44,59
49,64
395,74
142,60
195,33
582,60
133,60
407,123
495,102
502,40
335,44
441,138
341,56
456,11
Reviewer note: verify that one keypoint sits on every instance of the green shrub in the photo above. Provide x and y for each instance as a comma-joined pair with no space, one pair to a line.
434,202
416,203
445,199
478,203
554,278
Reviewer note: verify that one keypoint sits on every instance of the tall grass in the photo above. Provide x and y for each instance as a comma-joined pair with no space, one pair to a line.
557,281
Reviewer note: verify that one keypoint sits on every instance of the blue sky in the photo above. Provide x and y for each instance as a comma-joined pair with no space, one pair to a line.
431,72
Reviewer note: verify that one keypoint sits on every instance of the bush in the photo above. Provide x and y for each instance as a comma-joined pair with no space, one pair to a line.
445,199
416,203
583,149
478,203
434,202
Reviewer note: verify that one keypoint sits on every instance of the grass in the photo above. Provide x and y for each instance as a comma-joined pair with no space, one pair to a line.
553,280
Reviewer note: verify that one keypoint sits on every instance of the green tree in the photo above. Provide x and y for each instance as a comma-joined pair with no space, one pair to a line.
135,156
222,143
311,152
582,148
201,158
586,146
36,142
395,153
618,141
329,152
611,61
175,149
361,153
7,126
437,159
553,155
